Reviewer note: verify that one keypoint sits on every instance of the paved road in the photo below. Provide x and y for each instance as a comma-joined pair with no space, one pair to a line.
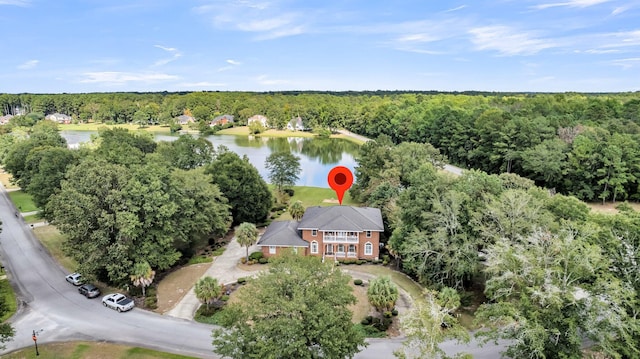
51,305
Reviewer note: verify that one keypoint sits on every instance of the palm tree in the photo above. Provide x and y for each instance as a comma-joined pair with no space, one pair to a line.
207,289
142,275
247,235
296,210
382,294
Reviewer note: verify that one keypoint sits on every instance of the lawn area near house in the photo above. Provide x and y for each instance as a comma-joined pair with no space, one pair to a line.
92,126
244,131
9,298
95,350
23,201
315,196
52,239
5,178
176,284
401,279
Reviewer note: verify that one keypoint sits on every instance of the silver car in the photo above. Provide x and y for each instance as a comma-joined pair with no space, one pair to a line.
118,302
74,278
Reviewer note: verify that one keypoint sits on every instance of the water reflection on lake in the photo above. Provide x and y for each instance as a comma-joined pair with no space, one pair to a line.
317,156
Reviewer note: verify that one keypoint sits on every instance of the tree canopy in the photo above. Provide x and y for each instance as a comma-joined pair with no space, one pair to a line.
298,309
283,168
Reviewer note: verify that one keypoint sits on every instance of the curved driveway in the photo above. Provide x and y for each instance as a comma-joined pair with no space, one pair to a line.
52,306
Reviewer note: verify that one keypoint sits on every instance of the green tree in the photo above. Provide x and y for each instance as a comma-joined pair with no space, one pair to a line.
142,275
382,294
248,194
298,309
296,210
207,290
50,167
546,291
187,152
428,323
246,235
284,168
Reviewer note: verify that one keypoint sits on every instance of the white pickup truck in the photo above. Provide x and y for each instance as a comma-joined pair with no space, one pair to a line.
118,302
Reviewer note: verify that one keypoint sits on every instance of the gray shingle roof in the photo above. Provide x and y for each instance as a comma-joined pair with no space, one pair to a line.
342,218
282,233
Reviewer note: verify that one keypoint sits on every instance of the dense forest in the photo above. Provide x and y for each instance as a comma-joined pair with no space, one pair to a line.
578,144
550,273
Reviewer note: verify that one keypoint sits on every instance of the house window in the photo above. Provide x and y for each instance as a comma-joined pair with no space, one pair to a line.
314,232
368,249
352,248
368,234
314,247
340,248
272,249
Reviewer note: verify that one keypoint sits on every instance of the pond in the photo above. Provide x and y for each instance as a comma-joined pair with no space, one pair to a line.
317,156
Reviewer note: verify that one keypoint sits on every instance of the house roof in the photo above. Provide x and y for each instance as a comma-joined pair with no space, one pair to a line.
342,218
186,118
283,234
221,117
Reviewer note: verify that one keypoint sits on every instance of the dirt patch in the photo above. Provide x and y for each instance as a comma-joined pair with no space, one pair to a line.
361,308
251,269
330,201
610,207
176,284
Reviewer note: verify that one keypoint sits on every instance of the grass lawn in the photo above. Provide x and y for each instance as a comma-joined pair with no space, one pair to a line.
95,126
33,218
244,131
96,350
9,299
315,196
401,279
23,201
52,239
5,178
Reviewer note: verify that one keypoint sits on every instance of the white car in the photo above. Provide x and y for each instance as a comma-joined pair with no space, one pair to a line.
118,302
74,278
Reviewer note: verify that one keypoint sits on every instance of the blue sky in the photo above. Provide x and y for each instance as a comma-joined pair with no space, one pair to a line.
55,46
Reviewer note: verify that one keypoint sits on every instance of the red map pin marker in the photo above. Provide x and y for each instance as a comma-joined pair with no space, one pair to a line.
340,179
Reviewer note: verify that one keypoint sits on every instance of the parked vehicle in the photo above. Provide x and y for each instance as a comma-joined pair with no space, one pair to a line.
89,290
118,302
74,278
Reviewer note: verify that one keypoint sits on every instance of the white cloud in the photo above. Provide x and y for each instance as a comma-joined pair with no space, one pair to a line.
265,80
626,63
268,20
233,62
16,2
175,55
201,84
571,3
619,10
508,41
456,8
115,77
28,65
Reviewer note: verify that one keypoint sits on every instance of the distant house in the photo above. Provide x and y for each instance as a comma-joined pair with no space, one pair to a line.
221,120
335,232
184,119
59,118
296,124
258,118
5,119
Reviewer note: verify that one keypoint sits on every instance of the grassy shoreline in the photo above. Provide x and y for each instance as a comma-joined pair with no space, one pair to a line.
233,131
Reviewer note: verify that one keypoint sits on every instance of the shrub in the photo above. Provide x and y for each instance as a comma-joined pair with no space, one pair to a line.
200,259
224,298
242,280
218,251
243,260
366,321
151,302
289,191
256,255
357,281
385,258
387,314
360,261
263,260
394,312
